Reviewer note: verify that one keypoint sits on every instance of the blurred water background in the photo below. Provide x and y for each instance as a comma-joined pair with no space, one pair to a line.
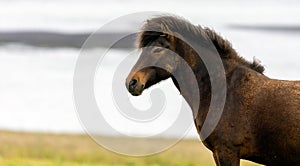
36,82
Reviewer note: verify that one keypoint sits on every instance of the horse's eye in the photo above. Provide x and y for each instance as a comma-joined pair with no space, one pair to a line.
157,50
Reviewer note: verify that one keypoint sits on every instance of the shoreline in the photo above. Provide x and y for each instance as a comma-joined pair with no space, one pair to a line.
75,40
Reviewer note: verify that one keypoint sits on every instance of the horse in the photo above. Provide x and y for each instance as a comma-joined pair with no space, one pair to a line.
261,116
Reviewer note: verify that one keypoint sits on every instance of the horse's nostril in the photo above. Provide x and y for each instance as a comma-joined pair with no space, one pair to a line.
133,83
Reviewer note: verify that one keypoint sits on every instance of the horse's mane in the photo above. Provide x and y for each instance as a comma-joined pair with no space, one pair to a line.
152,29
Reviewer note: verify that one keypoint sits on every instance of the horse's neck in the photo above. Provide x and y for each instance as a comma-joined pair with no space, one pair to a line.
195,89
200,108
200,104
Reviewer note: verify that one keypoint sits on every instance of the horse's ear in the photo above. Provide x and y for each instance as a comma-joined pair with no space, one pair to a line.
165,30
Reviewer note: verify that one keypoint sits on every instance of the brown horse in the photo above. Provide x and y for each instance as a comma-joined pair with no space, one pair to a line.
261,116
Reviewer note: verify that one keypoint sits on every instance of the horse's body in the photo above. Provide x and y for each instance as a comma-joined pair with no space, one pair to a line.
260,122
261,116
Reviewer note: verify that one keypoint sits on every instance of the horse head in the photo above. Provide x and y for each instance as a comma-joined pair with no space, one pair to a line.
157,61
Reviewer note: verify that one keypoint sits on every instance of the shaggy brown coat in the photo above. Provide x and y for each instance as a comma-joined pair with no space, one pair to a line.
261,117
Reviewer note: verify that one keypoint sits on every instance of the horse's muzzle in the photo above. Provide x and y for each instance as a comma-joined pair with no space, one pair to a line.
135,87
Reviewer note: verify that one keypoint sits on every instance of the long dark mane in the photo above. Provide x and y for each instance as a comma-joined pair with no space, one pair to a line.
152,29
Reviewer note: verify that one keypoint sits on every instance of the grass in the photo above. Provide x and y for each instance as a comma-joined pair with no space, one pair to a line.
36,149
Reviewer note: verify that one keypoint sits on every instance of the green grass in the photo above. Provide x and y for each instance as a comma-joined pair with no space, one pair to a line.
35,149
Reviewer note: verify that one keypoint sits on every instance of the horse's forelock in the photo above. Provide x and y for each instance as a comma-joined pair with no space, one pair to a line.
149,32
146,37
